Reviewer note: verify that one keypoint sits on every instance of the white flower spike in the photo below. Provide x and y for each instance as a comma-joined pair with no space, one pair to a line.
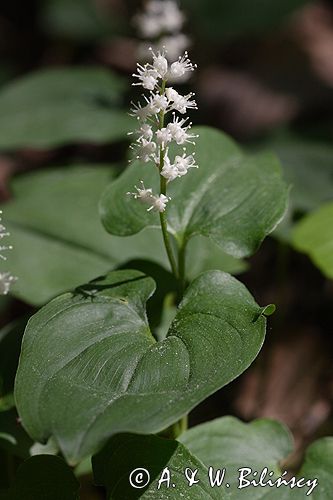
156,133
6,278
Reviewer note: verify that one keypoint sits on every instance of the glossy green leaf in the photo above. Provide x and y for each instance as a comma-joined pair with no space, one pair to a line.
90,367
59,242
44,477
234,200
313,235
54,107
125,457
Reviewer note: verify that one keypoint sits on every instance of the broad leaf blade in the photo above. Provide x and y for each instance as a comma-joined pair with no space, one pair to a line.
54,107
90,367
234,200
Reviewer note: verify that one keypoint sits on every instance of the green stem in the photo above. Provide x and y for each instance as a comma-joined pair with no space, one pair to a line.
175,429
181,268
164,227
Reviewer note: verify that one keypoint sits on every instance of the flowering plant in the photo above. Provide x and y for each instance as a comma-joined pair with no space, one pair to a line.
111,370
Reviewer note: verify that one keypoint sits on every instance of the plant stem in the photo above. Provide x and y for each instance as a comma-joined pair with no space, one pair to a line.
166,238
181,268
175,429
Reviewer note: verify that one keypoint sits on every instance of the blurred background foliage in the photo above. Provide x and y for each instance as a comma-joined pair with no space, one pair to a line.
266,78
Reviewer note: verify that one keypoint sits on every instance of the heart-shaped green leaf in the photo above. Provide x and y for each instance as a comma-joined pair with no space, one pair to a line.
53,107
314,235
59,242
90,367
233,199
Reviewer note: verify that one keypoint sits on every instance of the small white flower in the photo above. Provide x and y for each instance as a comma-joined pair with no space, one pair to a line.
160,63
171,94
159,103
163,136
159,203
182,66
139,112
155,103
6,280
180,103
147,75
169,171
146,132
143,194
179,132
146,150
183,163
